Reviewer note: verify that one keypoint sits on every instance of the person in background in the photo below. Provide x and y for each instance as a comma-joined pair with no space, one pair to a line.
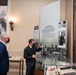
30,55
4,57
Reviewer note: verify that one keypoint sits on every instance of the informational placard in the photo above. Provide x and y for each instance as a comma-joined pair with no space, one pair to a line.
62,40
39,61
36,35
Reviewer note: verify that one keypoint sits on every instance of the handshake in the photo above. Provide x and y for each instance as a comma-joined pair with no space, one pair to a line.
33,56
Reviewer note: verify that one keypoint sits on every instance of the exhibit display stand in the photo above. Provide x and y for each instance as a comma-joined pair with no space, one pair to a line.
62,39
20,61
53,35
54,66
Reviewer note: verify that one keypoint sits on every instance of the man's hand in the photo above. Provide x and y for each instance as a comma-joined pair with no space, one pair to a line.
33,56
41,46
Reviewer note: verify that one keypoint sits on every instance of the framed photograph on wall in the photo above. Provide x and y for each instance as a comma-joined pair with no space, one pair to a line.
3,20
62,38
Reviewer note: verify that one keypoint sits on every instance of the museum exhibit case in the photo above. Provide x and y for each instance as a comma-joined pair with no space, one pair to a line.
58,66
55,65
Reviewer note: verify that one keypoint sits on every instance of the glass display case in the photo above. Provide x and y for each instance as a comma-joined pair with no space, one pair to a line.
56,65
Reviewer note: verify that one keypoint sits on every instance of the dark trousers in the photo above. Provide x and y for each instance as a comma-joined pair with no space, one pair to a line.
30,70
3,73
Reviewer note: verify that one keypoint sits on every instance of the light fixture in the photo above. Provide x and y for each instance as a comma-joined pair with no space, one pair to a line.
11,25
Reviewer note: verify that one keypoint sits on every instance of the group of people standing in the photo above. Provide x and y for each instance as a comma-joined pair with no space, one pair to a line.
29,55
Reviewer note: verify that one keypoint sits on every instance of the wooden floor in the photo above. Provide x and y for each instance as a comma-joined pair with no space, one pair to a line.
13,73
37,72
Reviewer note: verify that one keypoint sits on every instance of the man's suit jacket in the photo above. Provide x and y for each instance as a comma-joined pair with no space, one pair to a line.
28,52
4,59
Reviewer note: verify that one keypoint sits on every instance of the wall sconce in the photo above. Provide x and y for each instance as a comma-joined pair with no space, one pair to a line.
11,25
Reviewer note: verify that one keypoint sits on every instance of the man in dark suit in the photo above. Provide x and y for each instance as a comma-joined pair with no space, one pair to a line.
4,57
30,55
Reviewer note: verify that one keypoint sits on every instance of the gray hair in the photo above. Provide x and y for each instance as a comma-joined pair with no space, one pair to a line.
4,36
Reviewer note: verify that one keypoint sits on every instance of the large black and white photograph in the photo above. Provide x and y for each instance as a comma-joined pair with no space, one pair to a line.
3,19
49,30
62,38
